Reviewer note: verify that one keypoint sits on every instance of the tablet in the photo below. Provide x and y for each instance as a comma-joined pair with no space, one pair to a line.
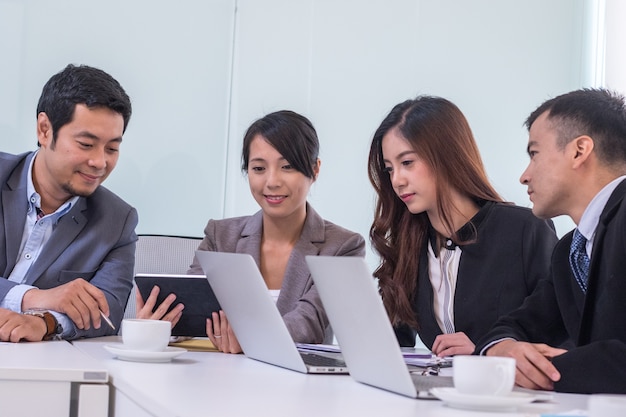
193,291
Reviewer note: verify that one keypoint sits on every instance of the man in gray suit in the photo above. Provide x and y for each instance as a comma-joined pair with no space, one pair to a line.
67,244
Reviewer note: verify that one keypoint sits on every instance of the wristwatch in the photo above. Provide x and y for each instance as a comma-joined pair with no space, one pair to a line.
53,327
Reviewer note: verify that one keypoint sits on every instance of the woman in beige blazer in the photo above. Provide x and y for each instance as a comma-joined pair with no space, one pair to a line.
280,158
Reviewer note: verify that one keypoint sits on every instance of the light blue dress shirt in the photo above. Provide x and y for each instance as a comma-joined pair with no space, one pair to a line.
36,233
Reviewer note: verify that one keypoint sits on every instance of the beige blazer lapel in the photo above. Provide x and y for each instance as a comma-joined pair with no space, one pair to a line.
250,239
297,279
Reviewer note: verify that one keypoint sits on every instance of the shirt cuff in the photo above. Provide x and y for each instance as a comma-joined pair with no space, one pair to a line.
495,342
13,300
69,332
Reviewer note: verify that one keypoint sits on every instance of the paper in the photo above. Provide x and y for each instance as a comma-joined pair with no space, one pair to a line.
196,345
433,360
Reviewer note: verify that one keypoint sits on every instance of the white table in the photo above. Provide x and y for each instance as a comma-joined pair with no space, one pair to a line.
52,379
217,384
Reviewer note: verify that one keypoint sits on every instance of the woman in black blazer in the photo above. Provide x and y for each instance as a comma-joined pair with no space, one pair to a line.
454,255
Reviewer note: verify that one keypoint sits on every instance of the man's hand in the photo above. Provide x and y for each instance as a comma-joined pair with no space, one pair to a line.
453,344
146,310
534,368
15,327
78,299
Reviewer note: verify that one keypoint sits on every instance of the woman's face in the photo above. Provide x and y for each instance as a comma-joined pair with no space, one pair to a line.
277,187
410,176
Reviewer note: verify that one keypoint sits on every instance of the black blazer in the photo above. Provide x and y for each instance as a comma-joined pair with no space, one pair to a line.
595,322
510,255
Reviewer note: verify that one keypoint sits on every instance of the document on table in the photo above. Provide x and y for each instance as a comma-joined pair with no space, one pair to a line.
412,356
196,344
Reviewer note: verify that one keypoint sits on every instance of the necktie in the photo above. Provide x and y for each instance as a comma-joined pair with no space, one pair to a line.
578,259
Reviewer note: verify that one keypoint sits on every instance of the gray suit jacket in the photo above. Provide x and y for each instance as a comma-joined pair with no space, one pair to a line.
298,302
95,241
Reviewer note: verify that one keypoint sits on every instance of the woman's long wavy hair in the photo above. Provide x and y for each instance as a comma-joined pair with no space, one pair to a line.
440,135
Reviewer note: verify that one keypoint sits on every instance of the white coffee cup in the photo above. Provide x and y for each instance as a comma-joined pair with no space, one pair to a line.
146,335
483,375
606,405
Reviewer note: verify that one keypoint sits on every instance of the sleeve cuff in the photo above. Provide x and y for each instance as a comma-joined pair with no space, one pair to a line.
13,300
69,332
495,342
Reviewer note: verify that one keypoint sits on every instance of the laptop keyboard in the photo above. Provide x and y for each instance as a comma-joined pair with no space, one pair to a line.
320,360
426,382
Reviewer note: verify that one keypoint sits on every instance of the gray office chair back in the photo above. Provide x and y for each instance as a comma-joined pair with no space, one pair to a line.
161,254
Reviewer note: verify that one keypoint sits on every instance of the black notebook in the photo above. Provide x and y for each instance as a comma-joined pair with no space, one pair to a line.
193,291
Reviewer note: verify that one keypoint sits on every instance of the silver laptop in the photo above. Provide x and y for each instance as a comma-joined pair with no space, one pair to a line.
367,340
241,291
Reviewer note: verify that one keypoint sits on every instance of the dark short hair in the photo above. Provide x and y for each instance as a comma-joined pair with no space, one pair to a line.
595,112
81,85
291,134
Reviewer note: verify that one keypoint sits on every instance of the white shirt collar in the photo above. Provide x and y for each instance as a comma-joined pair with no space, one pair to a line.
591,216
34,199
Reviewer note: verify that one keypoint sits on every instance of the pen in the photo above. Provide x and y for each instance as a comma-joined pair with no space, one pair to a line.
107,320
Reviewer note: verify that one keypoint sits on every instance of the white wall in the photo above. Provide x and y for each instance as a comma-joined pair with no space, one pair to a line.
615,64
199,72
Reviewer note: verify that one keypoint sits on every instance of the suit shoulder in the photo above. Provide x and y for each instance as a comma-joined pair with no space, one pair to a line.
512,211
340,241
231,223
516,219
9,157
228,231
9,161
103,197
334,232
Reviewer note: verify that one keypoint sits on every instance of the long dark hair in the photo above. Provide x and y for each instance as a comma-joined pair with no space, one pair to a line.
439,133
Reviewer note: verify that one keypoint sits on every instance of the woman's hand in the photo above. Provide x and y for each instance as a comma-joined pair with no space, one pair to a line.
221,334
146,310
453,344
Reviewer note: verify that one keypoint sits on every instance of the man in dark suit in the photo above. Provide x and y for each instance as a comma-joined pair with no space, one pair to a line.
570,334
67,244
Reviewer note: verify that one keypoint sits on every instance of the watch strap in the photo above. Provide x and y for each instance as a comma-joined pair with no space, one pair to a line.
52,325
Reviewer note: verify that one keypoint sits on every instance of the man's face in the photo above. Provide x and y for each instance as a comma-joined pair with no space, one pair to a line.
548,173
84,154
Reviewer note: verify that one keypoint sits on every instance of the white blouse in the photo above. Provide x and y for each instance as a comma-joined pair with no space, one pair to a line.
443,271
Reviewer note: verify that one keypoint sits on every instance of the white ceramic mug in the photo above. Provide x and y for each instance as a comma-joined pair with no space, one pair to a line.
146,335
483,375
607,405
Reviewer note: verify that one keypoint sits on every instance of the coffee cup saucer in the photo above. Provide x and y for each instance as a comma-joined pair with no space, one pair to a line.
124,353
452,398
